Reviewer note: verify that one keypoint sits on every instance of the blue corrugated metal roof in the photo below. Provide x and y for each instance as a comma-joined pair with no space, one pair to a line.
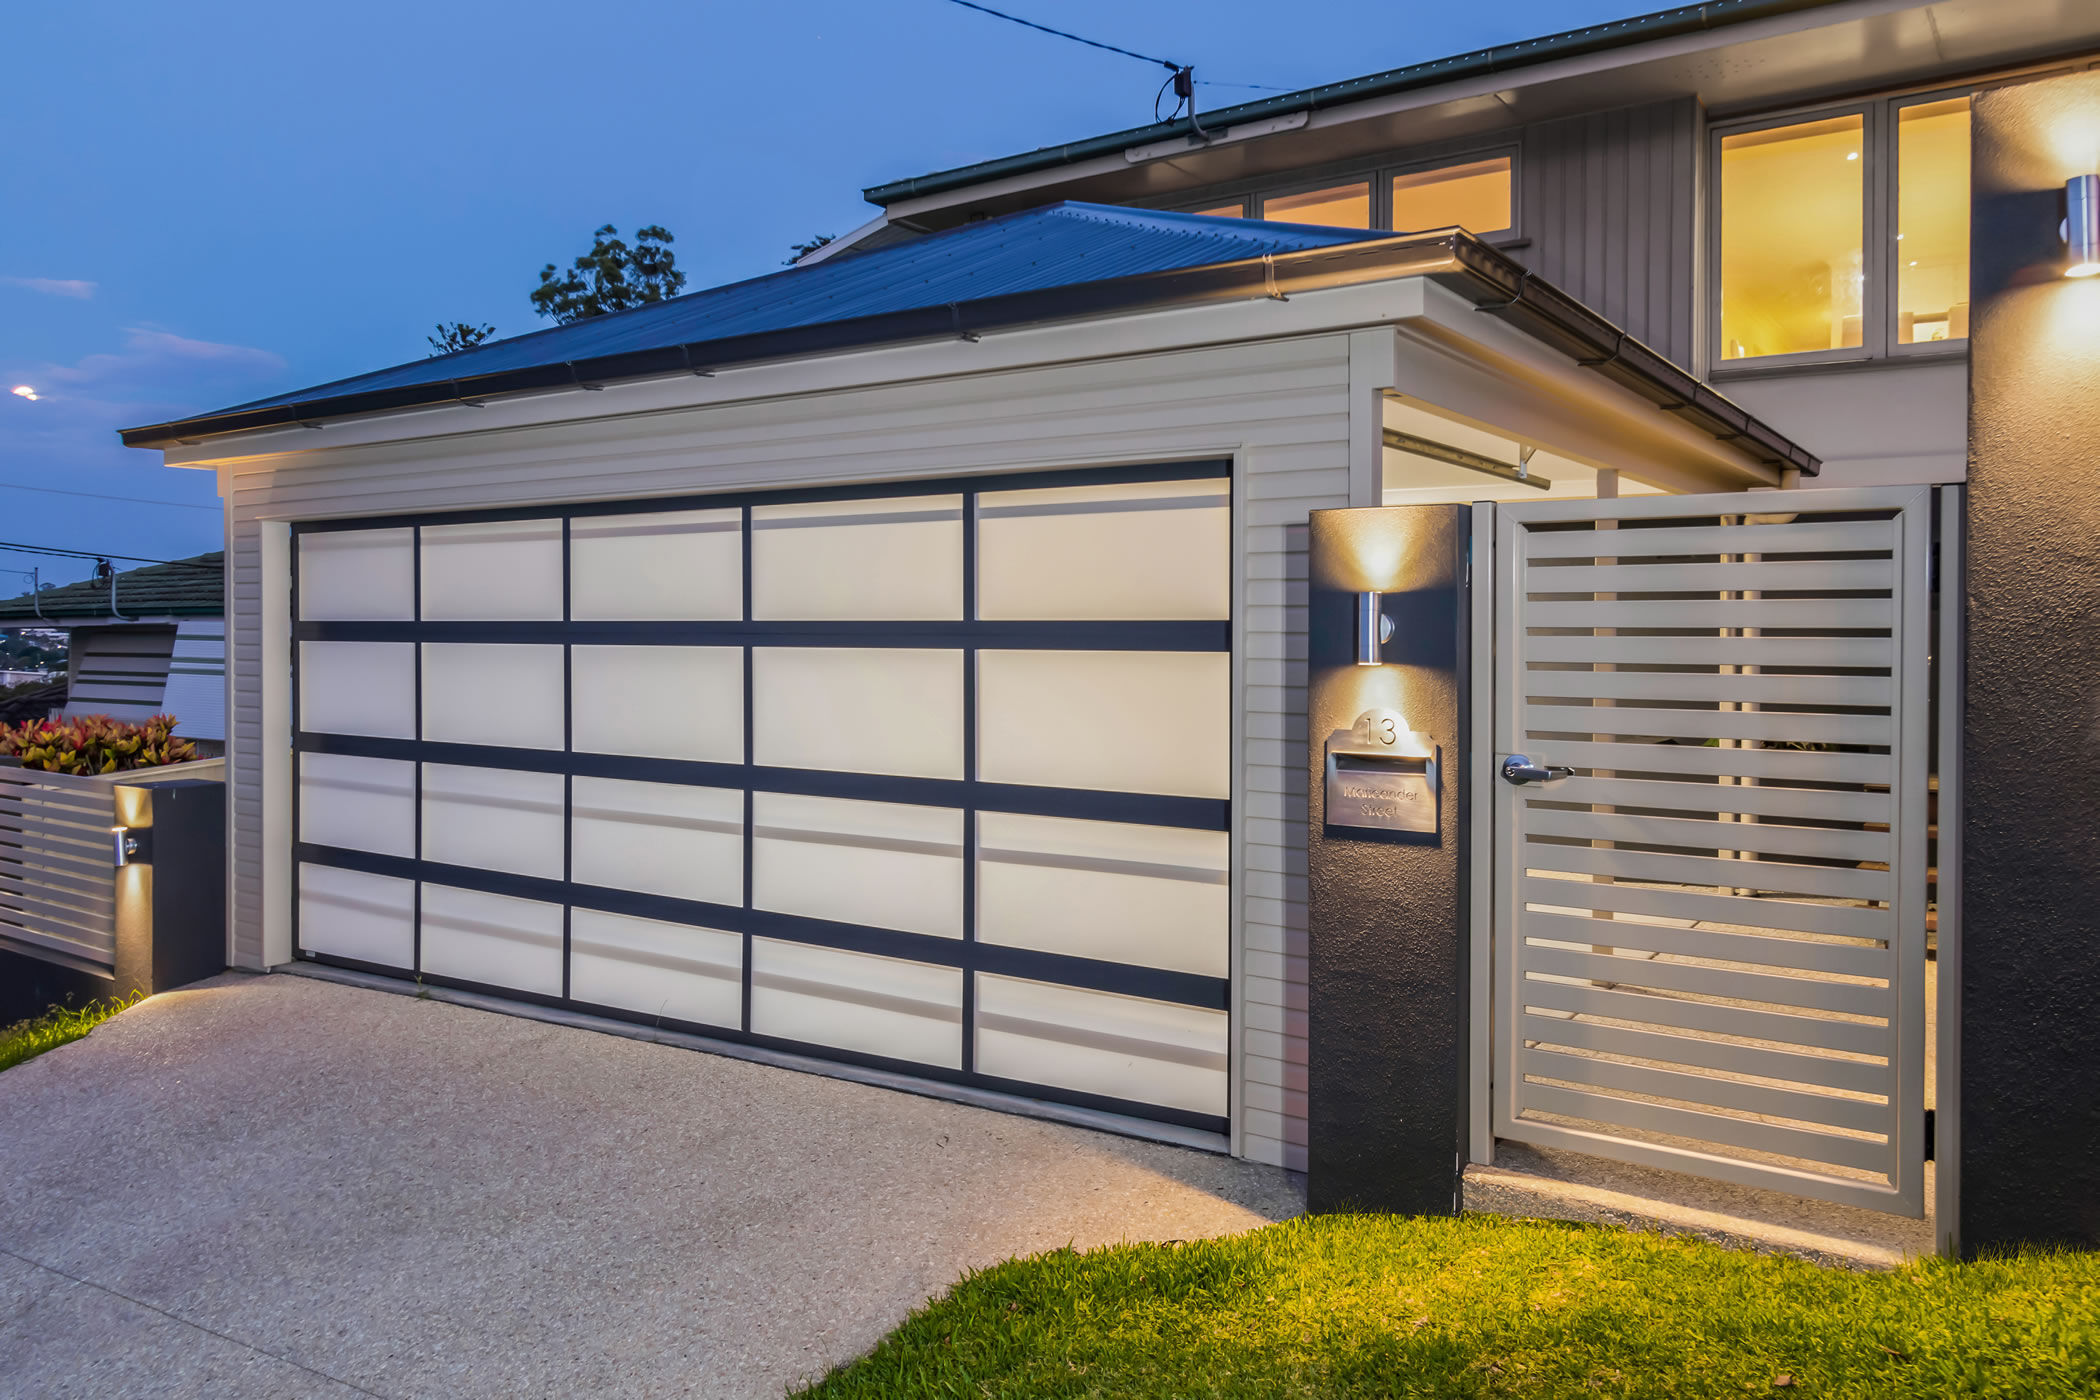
1057,245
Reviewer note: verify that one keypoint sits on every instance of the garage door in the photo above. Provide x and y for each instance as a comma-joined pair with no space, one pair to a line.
933,778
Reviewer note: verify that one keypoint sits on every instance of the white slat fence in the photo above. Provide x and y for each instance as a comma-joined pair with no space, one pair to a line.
57,864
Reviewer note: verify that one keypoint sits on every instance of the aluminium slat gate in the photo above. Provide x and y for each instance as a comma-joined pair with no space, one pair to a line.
1709,930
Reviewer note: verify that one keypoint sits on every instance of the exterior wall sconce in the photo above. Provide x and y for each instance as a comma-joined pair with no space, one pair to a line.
129,847
1373,629
2081,228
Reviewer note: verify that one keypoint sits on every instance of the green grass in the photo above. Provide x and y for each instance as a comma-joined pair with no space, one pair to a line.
1386,1306
25,1040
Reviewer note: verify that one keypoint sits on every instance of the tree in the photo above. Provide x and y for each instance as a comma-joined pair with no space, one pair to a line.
611,277
455,336
799,251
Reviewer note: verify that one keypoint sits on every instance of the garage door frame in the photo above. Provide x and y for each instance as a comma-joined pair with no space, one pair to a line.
969,795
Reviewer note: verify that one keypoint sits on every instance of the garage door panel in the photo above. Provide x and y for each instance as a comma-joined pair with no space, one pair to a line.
1123,721
493,819
1112,891
672,971
893,710
861,560
504,570
683,565
878,864
1128,551
495,939
364,688
870,1005
499,693
935,775
355,915
358,575
660,838
1102,1043
658,701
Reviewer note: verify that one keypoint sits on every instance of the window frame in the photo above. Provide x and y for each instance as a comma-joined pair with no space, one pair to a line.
1928,349
1879,135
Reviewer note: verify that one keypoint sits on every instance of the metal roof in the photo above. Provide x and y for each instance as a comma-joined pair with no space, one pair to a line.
193,587
1058,262
1056,245
1503,58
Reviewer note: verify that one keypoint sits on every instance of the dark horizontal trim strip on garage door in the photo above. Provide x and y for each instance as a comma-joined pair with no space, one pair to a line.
1154,984
1143,809
991,636
907,1069
875,490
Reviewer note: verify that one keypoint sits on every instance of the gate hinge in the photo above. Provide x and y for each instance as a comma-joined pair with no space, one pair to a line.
1928,1135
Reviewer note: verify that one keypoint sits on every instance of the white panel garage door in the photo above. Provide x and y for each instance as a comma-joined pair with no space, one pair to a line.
933,778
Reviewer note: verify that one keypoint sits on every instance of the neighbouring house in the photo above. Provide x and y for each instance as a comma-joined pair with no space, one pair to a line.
141,642
1537,599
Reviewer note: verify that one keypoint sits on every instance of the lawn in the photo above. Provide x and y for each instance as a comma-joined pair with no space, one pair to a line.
25,1040
1347,1306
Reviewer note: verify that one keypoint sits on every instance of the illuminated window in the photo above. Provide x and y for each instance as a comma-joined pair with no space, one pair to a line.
1339,206
1235,210
1932,221
1793,204
1474,196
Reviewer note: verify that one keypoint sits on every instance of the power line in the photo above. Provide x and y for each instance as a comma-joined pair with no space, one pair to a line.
1167,63
94,554
98,496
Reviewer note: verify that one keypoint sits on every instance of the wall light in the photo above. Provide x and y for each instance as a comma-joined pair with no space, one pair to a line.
2081,228
130,847
1373,629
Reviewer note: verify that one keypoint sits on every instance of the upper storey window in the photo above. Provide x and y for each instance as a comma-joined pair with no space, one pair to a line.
1337,206
1844,235
1475,196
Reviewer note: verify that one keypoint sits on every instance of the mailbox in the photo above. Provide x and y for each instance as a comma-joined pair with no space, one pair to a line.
1382,776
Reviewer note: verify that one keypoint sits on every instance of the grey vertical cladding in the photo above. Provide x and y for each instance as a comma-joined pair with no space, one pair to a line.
1610,210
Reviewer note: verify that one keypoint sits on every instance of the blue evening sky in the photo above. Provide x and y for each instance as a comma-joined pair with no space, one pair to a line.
213,202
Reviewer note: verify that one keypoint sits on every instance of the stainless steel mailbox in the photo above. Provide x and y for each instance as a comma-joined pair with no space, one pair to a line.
1382,775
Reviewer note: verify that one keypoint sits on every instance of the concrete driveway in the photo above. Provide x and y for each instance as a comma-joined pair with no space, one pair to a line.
281,1186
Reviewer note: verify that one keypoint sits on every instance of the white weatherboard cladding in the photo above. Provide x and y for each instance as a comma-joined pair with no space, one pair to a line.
1280,409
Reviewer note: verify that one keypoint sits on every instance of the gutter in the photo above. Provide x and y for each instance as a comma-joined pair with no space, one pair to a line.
1666,24
1453,258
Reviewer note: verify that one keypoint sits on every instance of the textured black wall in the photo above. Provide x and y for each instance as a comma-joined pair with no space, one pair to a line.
1387,977
2030,1039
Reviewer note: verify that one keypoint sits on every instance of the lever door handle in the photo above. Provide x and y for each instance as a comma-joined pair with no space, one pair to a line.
1519,769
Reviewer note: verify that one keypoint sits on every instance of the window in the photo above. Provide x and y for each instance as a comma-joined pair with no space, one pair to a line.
1844,235
1932,221
1792,239
1340,206
1237,209
1474,196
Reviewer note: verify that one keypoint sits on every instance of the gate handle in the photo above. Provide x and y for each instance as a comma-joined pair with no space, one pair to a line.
1519,769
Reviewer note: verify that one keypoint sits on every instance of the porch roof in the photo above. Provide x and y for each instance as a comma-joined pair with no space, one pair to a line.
1059,262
